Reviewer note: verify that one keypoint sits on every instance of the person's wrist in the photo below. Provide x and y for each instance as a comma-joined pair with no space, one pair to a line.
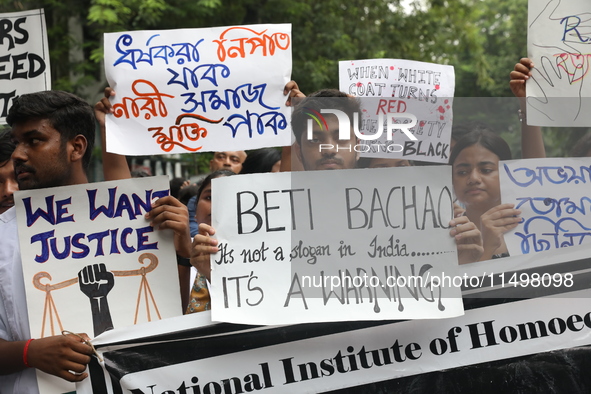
26,353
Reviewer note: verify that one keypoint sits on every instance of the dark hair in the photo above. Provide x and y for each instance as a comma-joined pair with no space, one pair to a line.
186,193
322,99
175,186
6,146
207,181
582,146
139,174
261,160
486,139
67,113
461,129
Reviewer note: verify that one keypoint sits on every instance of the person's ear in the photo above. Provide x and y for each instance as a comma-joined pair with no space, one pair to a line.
78,146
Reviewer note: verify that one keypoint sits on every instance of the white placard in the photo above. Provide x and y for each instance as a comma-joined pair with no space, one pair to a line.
92,261
334,245
388,86
559,92
198,90
24,64
554,197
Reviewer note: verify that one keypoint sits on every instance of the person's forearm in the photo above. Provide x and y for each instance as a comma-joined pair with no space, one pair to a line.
532,141
11,356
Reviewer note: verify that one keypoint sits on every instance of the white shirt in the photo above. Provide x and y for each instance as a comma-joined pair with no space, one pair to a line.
14,319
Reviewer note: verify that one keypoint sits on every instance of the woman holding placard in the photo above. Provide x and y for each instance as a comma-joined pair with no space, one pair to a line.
203,245
475,165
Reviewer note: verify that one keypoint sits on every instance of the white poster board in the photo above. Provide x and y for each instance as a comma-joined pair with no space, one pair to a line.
559,92
24,60
198,90
334,245
387,86
554,197
90,258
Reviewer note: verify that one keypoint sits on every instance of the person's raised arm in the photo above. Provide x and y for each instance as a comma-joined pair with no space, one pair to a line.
532,143
169,213
203,247
290,90
114,166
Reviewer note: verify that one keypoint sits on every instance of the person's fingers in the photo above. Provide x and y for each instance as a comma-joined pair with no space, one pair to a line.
206,229
527,62
504,213
72,377
521,69
290,86
167,200
472,235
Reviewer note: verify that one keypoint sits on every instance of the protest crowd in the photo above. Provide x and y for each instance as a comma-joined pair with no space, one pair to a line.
48,143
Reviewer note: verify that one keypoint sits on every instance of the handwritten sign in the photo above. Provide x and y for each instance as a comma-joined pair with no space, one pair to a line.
24,64
559,92
408,88
197,90
330,245
554,197
91,261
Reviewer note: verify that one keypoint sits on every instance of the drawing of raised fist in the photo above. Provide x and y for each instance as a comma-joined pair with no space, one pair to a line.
96,282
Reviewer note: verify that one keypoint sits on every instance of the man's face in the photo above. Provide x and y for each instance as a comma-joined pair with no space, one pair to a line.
228,161
7,186
40,159
325,151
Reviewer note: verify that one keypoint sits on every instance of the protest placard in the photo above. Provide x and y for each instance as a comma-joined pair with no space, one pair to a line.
554,197
559,91
24,64
191,354
198,90
333,245
91,261
394,91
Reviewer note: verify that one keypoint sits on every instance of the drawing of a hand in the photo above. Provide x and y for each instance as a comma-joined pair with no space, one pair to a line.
95,281
560,47
552,92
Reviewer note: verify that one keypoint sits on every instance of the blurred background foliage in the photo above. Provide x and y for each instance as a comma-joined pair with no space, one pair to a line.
482,39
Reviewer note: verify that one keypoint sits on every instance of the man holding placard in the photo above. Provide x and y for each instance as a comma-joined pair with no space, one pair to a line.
43,157
53,133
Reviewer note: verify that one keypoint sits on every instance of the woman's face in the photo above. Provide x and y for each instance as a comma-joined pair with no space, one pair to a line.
203,209
476,177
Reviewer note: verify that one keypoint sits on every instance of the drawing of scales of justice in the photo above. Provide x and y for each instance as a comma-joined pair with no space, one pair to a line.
95,281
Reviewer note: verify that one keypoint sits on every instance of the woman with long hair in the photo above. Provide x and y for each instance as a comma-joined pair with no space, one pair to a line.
475,165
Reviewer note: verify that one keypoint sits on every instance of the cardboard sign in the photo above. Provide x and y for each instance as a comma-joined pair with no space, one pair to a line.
402,92
334,245
554,197
24,64
91,261
559,92
198,90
